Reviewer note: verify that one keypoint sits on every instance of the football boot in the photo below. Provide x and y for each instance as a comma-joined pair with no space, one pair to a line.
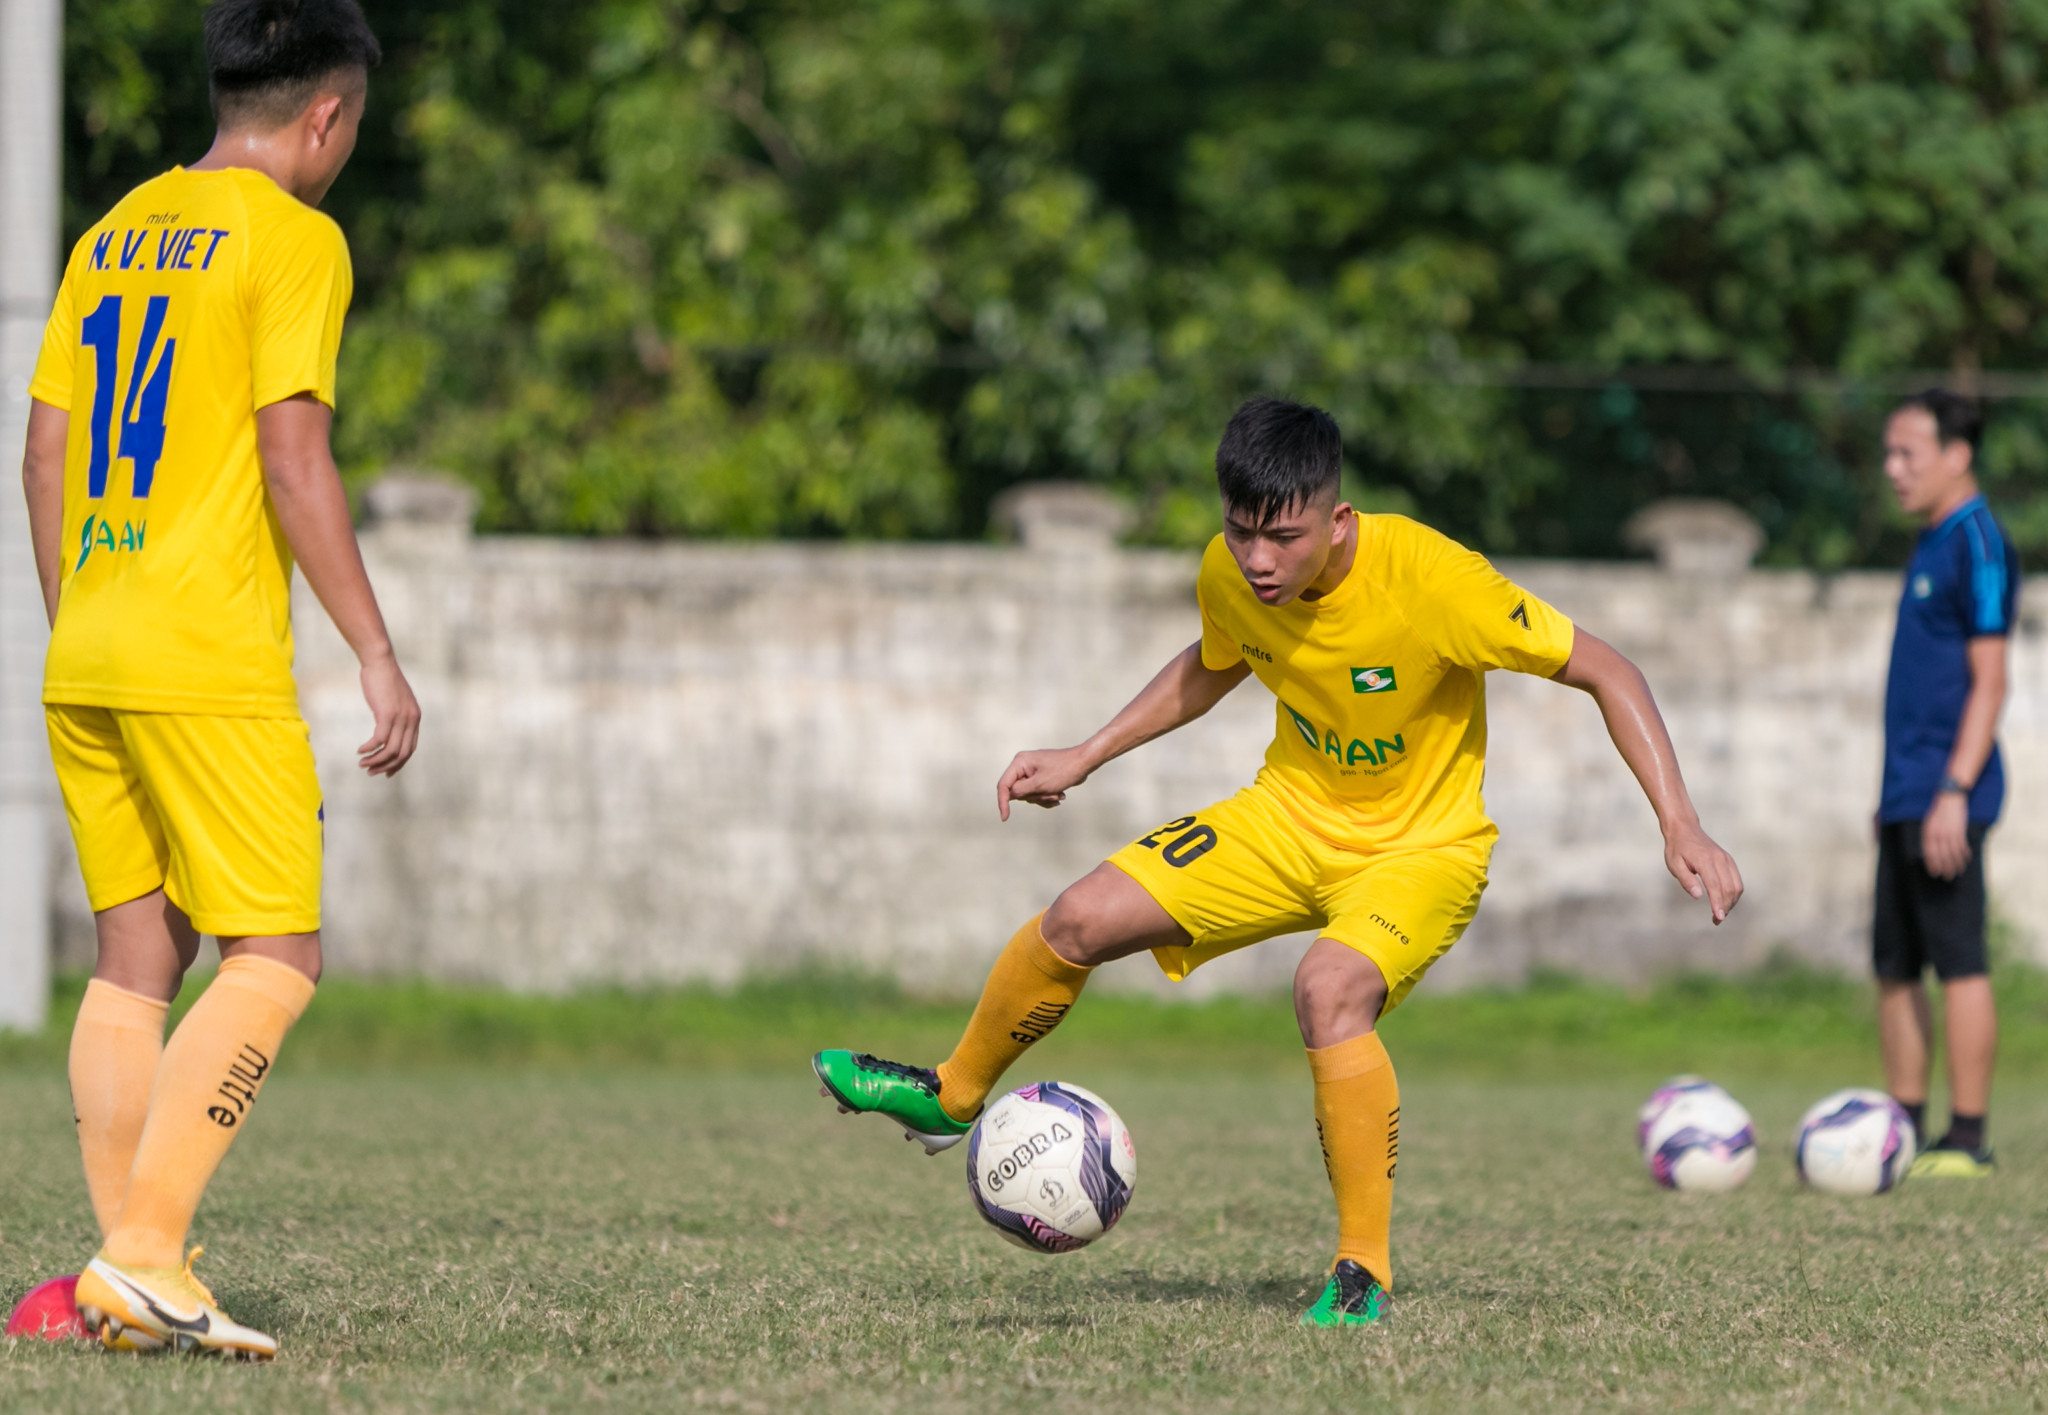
1353,1298
1946,1161
908,1095
162,1309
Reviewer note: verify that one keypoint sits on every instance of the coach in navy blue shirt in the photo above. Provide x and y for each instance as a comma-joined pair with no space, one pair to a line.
1943,780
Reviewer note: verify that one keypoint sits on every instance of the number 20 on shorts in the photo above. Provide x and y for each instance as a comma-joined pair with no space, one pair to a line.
1194,841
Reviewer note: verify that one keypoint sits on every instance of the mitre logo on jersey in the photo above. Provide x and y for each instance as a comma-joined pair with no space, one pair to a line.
1372,680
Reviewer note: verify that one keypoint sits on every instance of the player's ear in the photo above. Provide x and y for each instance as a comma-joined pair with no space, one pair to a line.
1958,457
324,116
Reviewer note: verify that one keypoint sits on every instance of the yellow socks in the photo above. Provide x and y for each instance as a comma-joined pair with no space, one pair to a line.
212,1068
1358,1116
115,1046
1027,993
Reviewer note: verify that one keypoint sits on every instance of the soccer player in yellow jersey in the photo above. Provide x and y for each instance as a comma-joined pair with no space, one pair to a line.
177,467
1375,635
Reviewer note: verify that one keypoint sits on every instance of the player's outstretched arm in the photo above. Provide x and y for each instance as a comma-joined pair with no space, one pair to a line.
1695,861
305,487
42,482
1181,692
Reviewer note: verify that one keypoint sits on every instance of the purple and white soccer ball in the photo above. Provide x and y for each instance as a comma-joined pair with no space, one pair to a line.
1051,1166
1856,1141
1694,1135
1661,1100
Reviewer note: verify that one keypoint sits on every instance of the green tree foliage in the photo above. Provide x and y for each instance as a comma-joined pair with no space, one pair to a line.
826,268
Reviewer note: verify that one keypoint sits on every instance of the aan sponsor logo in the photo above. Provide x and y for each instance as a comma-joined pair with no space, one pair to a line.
98,534
1373,753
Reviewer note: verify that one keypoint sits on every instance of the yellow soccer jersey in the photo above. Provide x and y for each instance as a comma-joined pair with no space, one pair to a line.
1380,735
200,298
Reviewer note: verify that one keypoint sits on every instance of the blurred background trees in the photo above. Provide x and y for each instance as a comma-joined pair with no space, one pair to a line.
812,267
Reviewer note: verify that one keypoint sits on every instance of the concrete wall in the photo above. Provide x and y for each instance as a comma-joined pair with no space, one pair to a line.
661,762
31,146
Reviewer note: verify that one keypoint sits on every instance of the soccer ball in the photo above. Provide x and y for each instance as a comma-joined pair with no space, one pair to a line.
1855,1141
1051,1166
1662,1100
1694,1135
50,1311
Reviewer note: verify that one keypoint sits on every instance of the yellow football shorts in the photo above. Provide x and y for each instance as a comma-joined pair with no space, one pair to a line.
1245,870
223,812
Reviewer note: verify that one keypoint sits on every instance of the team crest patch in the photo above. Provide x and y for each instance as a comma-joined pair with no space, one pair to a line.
1923,586
1372,680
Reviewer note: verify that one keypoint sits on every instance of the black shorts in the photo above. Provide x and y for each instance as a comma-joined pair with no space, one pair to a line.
1922,921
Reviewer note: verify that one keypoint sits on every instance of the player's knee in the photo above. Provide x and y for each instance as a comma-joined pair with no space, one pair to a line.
1076,929
1338,995
1065,928
296,951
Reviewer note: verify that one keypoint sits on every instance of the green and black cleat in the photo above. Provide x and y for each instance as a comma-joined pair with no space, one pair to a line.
1354,1298
908,1095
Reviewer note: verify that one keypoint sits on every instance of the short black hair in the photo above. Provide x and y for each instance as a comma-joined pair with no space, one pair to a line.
265,59
1276,455
1956,418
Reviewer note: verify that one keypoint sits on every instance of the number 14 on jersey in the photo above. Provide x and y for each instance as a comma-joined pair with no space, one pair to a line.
142,408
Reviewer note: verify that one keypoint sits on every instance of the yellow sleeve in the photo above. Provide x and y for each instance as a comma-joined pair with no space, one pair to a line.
56,365
1477,617
1219,646
300,285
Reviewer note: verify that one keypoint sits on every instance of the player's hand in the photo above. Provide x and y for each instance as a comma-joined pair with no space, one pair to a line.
1703,869
1042,777
397,715
1945,835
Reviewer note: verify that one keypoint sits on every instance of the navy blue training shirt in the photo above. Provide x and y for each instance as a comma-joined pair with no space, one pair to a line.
1963,583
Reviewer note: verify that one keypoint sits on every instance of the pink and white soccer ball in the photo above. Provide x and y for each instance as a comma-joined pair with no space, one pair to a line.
1051,1166
1694,1135
1662,1100
1856,1141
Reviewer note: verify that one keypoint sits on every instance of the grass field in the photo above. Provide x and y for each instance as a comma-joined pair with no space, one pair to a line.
462,1202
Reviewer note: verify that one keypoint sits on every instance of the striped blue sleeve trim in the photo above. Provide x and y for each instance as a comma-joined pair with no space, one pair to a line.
1987,575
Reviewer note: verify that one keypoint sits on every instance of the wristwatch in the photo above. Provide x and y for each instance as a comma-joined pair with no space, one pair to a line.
1949,783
